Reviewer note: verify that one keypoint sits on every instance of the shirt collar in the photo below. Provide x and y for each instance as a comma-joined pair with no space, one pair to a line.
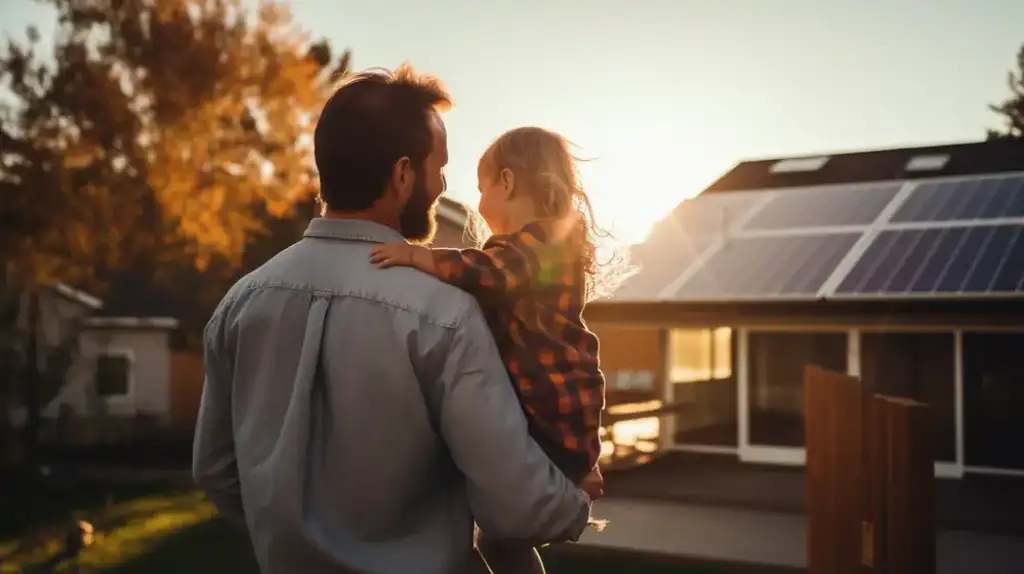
351,230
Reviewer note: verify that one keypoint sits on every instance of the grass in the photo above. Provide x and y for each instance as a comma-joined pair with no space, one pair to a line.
28,504
162,529
125,531
213,548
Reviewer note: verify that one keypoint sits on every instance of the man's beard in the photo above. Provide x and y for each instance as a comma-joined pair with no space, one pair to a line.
417,222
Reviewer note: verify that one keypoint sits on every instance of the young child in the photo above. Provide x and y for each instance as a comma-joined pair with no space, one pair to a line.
533,278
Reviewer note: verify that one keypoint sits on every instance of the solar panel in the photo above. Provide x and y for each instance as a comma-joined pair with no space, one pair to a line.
713,213
968,199
659,260
824,207
678,241
767,267
947,260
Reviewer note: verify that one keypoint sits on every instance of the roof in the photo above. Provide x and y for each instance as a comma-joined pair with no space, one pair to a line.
453,211
77,296
161,323
950,231
993,156
106,317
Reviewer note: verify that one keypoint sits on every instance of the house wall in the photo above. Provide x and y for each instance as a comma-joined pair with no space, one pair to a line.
626,351
57,315
450,235
958,360
149,388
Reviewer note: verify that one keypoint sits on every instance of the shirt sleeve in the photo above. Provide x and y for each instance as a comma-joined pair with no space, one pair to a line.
514,489
214,466
505,264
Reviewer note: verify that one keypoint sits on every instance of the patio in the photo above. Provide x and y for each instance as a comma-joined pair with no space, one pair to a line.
983,504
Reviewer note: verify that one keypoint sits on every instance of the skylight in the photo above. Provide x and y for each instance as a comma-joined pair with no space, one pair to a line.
931,162
800,164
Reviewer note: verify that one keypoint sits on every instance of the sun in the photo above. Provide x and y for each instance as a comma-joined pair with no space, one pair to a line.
633,174
632,189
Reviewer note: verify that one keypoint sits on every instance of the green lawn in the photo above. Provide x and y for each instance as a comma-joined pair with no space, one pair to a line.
212,547
27,505
162,529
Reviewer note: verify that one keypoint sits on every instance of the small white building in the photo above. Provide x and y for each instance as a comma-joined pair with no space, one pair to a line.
120,367
124,371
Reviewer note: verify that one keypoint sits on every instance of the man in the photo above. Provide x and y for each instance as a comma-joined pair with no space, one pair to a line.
360,420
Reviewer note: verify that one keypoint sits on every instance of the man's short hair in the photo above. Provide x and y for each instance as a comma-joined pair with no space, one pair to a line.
374,118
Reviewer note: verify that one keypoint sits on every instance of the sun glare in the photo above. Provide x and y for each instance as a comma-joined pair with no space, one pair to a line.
631,191
634,170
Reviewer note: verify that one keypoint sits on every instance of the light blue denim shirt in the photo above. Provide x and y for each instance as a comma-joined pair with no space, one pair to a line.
360,420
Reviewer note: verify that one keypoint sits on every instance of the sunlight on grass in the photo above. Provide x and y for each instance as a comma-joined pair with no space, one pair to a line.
123,532
13,564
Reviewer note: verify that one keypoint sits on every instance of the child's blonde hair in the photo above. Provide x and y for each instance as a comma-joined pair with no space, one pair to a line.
543,162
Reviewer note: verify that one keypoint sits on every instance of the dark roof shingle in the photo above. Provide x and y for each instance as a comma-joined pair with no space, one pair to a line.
993,156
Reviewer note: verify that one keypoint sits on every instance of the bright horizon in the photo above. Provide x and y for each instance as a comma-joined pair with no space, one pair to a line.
667,97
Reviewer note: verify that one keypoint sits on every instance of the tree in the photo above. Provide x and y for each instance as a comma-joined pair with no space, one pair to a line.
157,129
160,131
1012,108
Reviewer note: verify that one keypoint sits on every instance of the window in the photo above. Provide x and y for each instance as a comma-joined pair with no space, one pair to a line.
631,381
917,366
721,353
700,354
932,162
799,164
701,377
776,397
690,355
113,374
993,400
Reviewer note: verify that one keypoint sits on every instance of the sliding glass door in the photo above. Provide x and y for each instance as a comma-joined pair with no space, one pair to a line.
774,388
994,401
701,378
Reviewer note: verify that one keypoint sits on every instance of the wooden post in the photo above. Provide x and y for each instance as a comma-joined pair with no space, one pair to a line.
908,474
836,478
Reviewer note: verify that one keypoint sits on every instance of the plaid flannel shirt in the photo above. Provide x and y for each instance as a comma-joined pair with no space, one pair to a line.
537,288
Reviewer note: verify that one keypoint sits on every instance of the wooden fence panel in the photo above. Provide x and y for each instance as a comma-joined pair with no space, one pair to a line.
875,535
870,479
186,390
834,418
910,485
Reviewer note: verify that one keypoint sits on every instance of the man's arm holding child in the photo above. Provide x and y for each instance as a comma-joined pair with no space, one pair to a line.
514,489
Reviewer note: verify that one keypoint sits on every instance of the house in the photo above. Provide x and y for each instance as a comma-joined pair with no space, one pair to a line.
904,267
117,369
453,225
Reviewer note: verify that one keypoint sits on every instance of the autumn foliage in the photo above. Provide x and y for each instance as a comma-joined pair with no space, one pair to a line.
160,129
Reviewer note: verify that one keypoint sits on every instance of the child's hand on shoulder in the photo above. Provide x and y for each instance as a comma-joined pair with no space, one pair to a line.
402,254
593,484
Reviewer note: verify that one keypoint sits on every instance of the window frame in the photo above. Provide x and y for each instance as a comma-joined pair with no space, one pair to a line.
709,332
129,357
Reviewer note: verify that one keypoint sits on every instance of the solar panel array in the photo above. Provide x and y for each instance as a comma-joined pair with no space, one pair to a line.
679,240
941,260
770,267
823,207
990,198
939,238
660,260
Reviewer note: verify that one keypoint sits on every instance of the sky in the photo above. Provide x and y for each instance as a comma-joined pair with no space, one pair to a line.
666,95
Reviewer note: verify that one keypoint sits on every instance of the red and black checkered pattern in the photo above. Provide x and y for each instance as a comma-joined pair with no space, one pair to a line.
534,289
